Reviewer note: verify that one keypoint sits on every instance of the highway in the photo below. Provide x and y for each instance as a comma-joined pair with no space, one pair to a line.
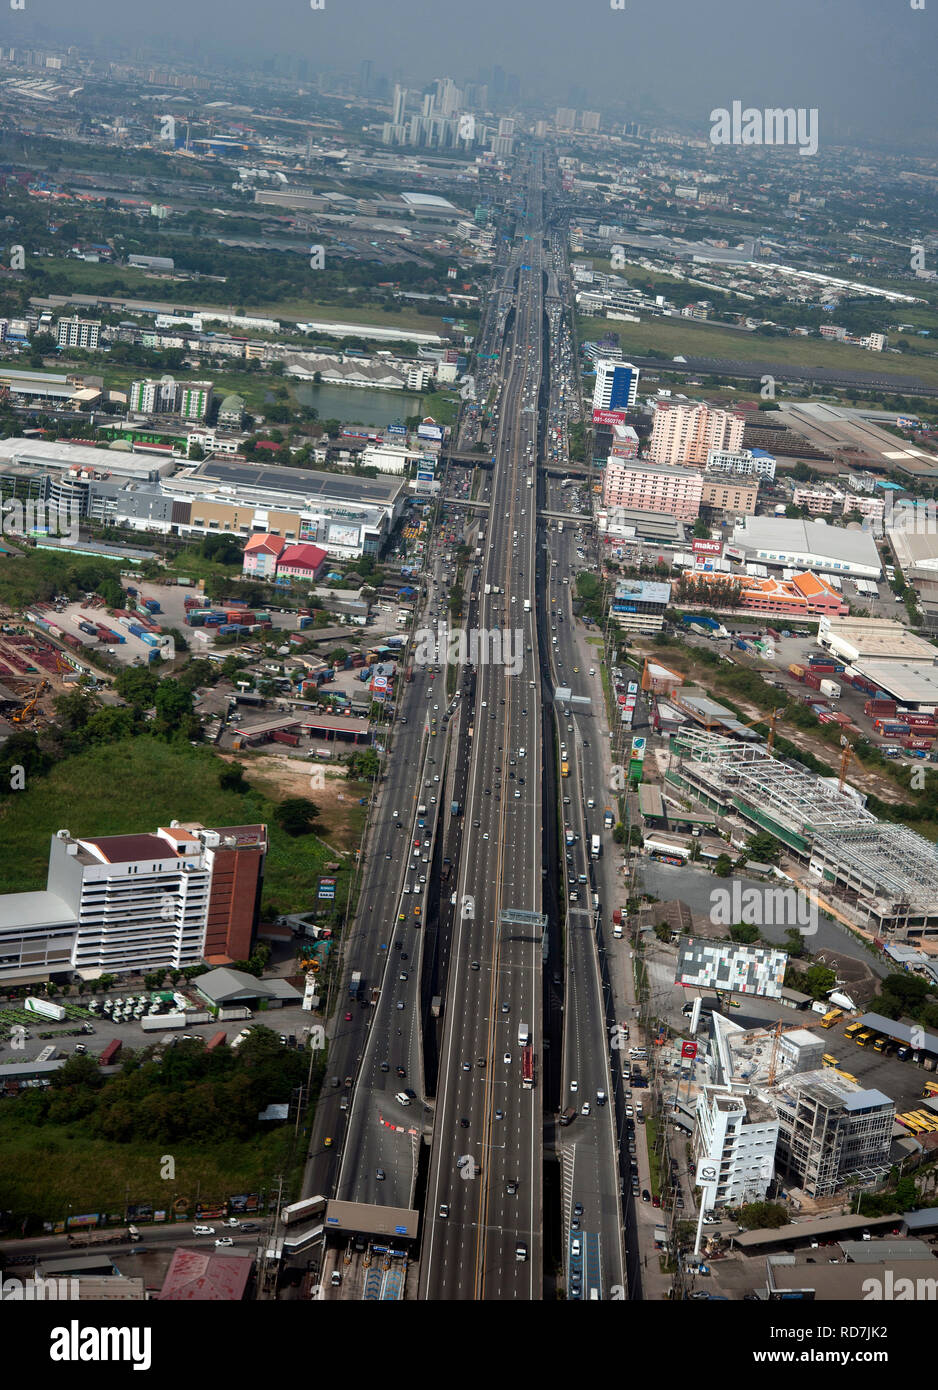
483,1220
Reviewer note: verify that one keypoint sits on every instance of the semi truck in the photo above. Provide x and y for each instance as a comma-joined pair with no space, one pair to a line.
153,1023
355,984
596,846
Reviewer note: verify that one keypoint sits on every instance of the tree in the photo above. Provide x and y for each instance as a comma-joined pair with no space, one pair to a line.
74,709
231,778
296,815
723,867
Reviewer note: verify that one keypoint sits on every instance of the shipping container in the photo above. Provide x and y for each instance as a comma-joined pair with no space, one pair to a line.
110,1053
831,689
284,736
879,706
916,741
812,679
216,1040
915,718
796,671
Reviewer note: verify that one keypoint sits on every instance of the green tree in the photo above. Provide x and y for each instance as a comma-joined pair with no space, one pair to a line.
296,815
723,867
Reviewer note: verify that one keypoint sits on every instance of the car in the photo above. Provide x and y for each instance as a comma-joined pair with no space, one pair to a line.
474,965
402,975
467,1066
203,1230
348,1016
511,1187
327,1142
507,1059
499,1114
464,1122
585,1108
249,1226
646,1195
224,1240
400,1071
574,1085
379,1174
506,1009
444,1209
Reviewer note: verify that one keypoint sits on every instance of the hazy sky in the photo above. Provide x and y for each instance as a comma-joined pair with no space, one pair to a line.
867,65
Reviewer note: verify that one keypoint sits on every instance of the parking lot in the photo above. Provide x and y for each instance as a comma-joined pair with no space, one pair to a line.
902,1081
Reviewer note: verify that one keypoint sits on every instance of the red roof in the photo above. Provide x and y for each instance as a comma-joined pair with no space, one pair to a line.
194,1276
302,557
271,545
124,849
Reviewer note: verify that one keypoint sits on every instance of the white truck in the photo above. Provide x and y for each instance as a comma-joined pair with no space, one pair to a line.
524,1035
155,1023
527,605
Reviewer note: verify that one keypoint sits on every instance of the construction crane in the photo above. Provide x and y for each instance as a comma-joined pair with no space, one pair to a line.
845,757
771,720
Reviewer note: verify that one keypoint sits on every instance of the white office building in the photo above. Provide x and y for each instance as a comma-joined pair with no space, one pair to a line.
738,1132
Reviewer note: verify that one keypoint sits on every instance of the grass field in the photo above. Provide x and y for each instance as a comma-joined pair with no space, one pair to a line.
138,785
684,337
408,320
48,1171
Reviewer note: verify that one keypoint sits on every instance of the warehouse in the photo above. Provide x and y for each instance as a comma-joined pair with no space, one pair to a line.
913,687
873,639
808,545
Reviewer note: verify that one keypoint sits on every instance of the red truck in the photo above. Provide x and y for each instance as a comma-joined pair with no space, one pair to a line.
216,1041
110,1053
284,736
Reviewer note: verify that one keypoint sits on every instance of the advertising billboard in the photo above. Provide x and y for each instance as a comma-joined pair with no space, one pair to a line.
754,970
701,547
636,756
342,535
609,417
397,429
326,888
429,432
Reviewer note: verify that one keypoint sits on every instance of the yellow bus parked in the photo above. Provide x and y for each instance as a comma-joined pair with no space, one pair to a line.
852,1029
862,1039
828,1061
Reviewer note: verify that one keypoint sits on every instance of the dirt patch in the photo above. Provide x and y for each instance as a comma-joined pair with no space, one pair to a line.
279,776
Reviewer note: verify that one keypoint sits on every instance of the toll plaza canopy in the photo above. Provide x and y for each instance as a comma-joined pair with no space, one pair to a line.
365,1219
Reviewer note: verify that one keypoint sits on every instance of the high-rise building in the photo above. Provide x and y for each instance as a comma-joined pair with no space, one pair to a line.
399,105
589,122
190,399
616,385
832,1130
137,902
506,126
685,434
565,118
648,488
79,333
738,1133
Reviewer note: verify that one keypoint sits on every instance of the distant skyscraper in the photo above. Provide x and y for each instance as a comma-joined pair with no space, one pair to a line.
399,105
364,77
565,118
589,122
506,126
428,103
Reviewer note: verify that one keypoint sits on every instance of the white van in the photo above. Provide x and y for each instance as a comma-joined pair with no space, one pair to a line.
402,1098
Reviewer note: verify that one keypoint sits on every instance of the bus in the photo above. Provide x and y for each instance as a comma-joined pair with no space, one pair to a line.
909,1123
863,1038
852,1029
880,1044
931,1088
848,1076
299,1211
828,1061
925,1118
831,1018
527,1067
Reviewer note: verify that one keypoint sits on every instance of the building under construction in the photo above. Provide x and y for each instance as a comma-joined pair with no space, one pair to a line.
885,875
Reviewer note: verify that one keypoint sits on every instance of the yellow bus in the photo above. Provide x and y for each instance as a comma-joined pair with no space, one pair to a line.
848,1077
926,1118
852,1029
931,1088
828,1061
862,1039
831,1018
911,1124
880,1044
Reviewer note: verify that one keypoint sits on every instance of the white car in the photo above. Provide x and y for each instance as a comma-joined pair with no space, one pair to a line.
574,1085
585,1108
224,1240
203,1230
507,1059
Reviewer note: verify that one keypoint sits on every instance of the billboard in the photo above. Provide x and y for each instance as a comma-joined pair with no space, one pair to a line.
342,535
637,754
689,1049
326,888
755,970
429,432
609,417
638,750
397,429
701,547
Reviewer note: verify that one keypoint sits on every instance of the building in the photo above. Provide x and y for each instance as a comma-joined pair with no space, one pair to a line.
803,595
388,458
231,413
686,434
137,902
300,562
729,494
196,1276
818,500
616,385
747,462
793,544
190,399
738,1133
855,639
831,1131
261,554
639,605
624,442
79,333
646,487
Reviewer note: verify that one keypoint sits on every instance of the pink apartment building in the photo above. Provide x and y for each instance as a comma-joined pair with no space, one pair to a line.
645,487
685,434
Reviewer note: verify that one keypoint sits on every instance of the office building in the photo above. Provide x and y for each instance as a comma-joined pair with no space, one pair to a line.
565,118
639,605
646,487
79,333
616,385
589,122
685,434
729,495
737,1132
831,1131
747,463
113,904
399,105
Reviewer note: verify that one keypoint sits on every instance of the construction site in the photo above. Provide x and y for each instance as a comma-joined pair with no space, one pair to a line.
33,672
883,876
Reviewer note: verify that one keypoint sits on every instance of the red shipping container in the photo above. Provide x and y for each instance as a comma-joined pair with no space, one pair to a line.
827,718
915,719
813,680
879,707
284,736
913,741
